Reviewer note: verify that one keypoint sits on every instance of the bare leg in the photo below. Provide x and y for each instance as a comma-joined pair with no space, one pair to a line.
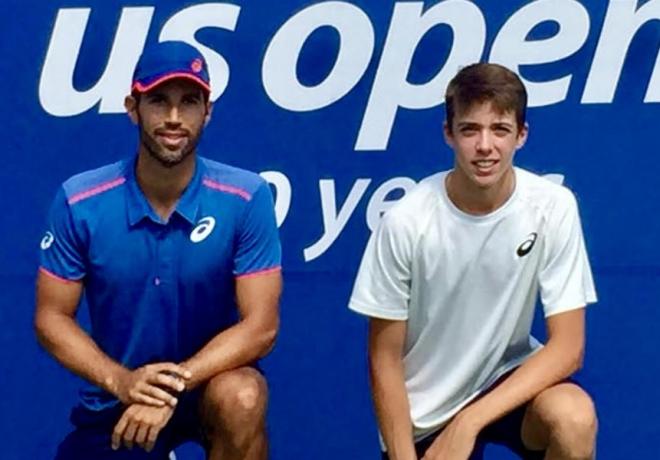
233,409
562,420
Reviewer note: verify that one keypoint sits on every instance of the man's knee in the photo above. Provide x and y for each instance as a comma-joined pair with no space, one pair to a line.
240,394
572,413
570,419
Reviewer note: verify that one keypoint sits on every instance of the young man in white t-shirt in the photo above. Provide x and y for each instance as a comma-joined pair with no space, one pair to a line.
450,280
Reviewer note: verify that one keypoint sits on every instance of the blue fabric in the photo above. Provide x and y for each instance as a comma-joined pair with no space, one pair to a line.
159,291
92,436
172,59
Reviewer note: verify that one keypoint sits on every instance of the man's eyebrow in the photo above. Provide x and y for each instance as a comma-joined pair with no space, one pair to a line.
155,93
502,124
192,93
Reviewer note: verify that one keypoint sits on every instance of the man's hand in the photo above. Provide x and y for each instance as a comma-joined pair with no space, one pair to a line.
456,442
152,384
140,424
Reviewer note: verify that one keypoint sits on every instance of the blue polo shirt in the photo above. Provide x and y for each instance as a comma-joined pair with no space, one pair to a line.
159,291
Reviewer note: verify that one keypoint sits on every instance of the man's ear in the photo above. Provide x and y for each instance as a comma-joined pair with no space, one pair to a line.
522,136
131,106
449,137
209,111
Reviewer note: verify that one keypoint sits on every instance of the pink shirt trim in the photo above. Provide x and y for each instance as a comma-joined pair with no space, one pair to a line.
56,277
140,88
227,188
96,190
259,273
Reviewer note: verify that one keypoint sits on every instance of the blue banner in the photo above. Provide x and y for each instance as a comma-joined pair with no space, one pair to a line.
339,105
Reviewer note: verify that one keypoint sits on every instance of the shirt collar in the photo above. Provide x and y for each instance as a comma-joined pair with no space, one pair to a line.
188,204
138,207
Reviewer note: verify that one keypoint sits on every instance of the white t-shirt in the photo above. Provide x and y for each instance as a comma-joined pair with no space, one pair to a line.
467,286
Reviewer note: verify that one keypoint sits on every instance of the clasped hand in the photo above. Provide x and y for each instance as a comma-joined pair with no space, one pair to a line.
152,385
149,394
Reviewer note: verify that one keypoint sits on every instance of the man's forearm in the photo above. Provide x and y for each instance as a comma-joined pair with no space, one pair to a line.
62,337
393,409
547,367
240,345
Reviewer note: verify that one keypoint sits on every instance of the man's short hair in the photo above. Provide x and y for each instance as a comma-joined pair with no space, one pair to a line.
485,82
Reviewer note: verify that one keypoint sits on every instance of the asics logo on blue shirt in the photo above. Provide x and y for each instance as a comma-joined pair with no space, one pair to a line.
527,245
47,240
203,229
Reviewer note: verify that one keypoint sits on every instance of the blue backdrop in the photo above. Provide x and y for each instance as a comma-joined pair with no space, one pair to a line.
338,104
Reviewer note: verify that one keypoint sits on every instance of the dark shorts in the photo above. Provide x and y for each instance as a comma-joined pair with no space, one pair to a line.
504,432
91,438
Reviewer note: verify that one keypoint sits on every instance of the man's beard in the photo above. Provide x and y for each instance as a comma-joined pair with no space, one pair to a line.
167,158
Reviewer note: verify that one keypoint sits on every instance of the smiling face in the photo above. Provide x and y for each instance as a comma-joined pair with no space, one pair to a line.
170,117
484,141
485,107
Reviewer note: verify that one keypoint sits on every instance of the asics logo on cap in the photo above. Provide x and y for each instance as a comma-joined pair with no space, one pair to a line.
527,245
196,65
203,229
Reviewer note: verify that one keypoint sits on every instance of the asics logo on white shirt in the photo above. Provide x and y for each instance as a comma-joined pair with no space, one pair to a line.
527,245
47,240
203,229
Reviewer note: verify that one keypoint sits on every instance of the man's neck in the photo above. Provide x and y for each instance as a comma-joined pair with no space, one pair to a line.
161,185
475,200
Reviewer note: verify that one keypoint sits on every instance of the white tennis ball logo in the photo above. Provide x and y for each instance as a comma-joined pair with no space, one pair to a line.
47,240
203,229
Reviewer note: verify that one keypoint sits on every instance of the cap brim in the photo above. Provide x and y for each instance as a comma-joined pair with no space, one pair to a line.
142,88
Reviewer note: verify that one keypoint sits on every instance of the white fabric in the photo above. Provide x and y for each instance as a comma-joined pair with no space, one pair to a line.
467,296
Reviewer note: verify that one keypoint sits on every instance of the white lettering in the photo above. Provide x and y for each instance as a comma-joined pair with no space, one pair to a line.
56,92
280,62
379,202
512,50
391,88
282,193
622,21
333,222
186,23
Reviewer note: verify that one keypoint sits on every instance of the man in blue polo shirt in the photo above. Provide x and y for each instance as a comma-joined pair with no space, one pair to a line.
179,259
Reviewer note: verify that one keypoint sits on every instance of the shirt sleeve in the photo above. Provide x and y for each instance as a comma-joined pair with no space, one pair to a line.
566,282
258,247
383,283
62,248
